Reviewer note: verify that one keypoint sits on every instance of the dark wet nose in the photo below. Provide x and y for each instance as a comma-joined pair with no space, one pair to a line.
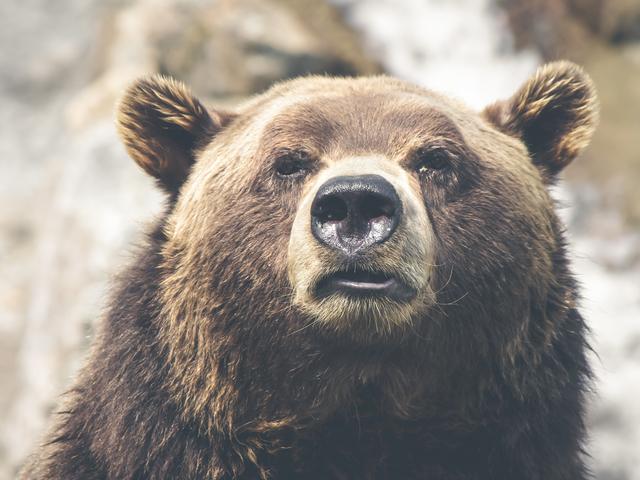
353,213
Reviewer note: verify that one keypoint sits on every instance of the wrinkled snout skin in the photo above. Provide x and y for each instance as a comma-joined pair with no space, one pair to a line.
408,254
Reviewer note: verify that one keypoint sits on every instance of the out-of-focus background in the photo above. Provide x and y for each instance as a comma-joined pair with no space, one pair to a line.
72,203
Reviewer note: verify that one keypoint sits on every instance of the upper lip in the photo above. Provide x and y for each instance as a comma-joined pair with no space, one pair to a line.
363,283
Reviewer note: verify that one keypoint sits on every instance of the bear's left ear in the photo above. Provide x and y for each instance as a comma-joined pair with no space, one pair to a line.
163,126
554,113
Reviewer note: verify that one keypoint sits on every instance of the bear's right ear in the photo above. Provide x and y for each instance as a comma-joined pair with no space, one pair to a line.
163,126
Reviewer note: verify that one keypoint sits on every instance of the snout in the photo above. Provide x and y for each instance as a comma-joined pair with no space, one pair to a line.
353,213
361,248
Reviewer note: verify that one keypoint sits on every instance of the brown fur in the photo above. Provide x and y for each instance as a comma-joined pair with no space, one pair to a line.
162,125
210,364
554,113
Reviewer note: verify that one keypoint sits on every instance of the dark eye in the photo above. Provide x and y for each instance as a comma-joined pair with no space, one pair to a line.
431,160
292,164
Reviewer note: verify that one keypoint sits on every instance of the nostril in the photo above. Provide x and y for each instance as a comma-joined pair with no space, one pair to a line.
374,206
331,209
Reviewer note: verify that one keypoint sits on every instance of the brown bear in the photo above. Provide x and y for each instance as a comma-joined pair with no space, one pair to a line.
355,278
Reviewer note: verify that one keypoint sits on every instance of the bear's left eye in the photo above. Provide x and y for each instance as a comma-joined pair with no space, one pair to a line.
292,164
427,161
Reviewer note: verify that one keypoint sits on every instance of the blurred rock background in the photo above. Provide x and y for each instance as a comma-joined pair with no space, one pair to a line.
72,203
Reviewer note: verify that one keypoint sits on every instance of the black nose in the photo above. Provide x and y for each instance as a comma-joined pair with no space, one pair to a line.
353,213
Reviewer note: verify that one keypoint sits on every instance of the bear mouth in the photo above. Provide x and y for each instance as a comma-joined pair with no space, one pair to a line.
361,283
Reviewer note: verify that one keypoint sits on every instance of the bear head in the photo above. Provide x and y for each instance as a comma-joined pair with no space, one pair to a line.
359,215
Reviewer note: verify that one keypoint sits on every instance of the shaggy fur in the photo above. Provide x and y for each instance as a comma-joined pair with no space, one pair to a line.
554,113
208,364
162,125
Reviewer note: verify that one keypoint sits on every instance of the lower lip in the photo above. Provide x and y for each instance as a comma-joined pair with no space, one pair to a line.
390,288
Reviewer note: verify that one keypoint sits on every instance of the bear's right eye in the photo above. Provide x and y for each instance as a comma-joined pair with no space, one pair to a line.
292,164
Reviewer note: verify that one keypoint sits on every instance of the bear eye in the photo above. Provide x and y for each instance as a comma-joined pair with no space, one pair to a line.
292,164
430,160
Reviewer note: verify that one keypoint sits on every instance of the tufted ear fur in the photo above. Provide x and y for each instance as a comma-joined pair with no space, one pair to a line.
163,126
554,113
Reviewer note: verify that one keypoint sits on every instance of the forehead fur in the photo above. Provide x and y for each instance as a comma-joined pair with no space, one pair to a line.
335,117
317,92
351,116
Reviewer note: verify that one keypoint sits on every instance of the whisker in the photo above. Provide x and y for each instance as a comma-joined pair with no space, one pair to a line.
317,320
447,282
453,302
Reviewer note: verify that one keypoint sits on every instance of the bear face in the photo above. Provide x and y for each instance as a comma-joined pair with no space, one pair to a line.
366,223
466,220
